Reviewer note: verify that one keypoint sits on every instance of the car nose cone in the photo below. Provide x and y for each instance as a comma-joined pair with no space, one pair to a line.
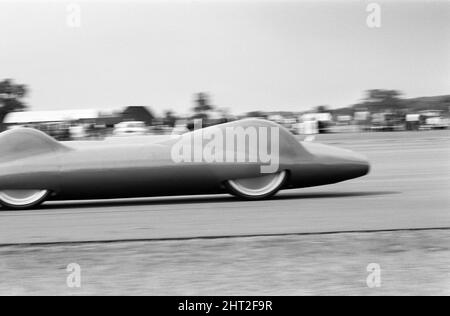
340,163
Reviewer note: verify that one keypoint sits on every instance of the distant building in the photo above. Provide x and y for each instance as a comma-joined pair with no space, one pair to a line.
37,117
322,120
321,117
138,113
61,124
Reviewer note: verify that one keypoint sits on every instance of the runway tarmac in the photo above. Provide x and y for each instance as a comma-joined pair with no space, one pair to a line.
406,189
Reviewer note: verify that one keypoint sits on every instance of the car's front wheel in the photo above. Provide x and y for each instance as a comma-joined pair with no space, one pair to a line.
22,199
259,187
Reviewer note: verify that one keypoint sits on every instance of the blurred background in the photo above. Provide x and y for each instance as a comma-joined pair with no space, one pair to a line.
369,76
380,110
93,69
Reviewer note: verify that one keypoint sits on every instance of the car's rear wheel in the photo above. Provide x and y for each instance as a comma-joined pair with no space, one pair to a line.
22,199
257,188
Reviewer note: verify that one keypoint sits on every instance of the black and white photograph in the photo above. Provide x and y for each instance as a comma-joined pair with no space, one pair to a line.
224,154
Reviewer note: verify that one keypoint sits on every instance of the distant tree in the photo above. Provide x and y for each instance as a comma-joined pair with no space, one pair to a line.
379,95
11,97
201,116
383,99
169,118
322,109
202,105
258,114
138,113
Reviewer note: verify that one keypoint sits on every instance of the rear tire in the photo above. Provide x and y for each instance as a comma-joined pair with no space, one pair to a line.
22,199
257,188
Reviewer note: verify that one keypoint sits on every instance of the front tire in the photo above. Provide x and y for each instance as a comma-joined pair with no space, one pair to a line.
22,199
257,188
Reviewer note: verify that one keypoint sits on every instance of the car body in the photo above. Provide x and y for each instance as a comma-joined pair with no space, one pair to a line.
433,119
131,128
34,167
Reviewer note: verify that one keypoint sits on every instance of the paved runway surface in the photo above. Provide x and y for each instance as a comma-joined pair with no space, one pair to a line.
407,189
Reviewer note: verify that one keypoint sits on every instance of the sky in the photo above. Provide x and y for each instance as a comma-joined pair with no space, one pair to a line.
248,54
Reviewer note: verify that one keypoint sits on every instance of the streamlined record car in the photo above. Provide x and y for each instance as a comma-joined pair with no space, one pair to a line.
251,159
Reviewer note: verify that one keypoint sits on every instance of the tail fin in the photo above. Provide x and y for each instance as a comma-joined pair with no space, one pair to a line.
26,142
